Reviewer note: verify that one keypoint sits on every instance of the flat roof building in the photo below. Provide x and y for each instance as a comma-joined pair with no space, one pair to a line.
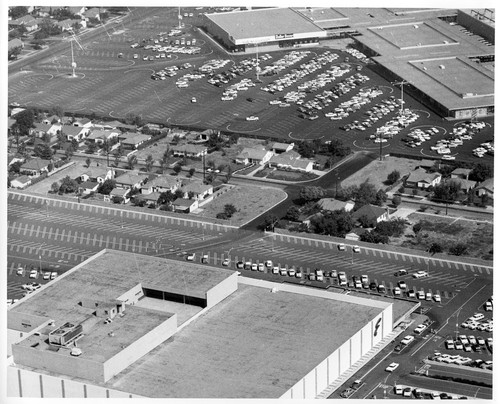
142,326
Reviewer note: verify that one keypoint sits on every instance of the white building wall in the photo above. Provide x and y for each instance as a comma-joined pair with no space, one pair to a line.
222,290
310,384
356,347
333,366
322,374
26,383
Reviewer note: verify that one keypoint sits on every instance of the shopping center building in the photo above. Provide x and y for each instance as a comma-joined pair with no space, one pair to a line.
129,325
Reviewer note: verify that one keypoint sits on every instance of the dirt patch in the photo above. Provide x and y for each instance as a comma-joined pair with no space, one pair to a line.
377,171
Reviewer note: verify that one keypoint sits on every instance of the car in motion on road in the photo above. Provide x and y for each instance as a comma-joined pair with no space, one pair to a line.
252,118
392,367
420,274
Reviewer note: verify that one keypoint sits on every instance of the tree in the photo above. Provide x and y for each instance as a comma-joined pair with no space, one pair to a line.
13,53
417,227
435,248
459,249
25,121
88,161
68,185
365,194
337,148
393,177
391,228
229,173
15,167
447,191
68,153
337,223
481,172
293,213
131,161
396,200
373,237
166,198
380,197
149,162
18,12
91,147
191,195
54,188
306,149
43,151
311,193
229,209
106,187
270,222
191,171
177,169
179,193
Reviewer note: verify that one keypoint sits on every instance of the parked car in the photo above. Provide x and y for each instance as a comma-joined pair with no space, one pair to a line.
356,249
420,329
341,247
407,340
226,262
420,274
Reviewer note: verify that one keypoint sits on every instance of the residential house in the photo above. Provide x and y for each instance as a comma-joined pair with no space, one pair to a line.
185,205
420,178
372,214
40,129
151,199
97,174
94,12
205,135
100,136
28,21
331,205
154,127
461,173
31,25
82,123
465,185
14,158
88,187
121,194
485,188
189,150
10,122
279,148
49,120
199,190
20,182
35,167
67,25
250,155
15,111
161,184
74,132
76,10
291,160
130,180
354,234
44,11
133,140
15,43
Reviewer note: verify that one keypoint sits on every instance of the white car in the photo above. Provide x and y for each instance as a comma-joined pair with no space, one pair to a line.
420,274
34,274
46,276
261,267
20,271
226,262
252,118
407,340
190,257
356,249
392,367
268,264
53,275
341,247
437,298
420,329
276,270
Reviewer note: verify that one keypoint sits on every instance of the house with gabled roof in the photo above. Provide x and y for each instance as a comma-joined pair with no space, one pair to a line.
20,182
162,183
35,167
185,205
82,122
74,132
49,120
97,174
198,188
151,199
67,25
15,43
189,150
100,136
461,173
485,188
119,194
133,140
40,129
77,10
420,178
291,160
332,204
94,12
465,185
88,187
250,155
372,214
279,147
130,180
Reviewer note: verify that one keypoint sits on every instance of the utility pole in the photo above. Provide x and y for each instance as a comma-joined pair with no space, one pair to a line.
401,84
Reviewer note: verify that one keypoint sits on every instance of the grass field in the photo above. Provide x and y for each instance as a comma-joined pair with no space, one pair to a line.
249,201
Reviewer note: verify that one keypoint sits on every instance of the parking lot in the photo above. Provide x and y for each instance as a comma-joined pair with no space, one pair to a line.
163,71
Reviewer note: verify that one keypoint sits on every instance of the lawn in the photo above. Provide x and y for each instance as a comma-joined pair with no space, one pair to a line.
477,236
377,171
283,175
250,202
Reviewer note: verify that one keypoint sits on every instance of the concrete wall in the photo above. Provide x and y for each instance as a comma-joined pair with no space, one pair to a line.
133,295
341,359
222,290
139,348
26,383
476,26
59,363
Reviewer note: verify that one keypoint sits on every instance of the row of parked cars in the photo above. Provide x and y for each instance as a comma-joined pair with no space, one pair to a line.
394,126
357,54
407,391
469,343
461,360
478,322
